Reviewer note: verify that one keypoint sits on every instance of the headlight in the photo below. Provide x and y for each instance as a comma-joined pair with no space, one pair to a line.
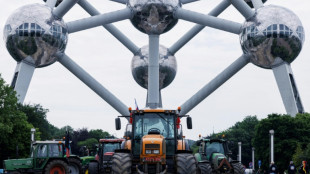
148,151
156,151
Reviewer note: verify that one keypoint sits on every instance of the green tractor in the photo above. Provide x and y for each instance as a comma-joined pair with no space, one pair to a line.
45,157
215,153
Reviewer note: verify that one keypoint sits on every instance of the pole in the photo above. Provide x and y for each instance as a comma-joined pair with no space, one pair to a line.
271,145
253,158
239,150
33,130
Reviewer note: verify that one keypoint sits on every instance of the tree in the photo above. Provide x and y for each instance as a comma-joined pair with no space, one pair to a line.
98,134
289,131
14,128
242,132
36,115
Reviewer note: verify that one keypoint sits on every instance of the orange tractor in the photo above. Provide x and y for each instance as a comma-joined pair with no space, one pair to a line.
154,144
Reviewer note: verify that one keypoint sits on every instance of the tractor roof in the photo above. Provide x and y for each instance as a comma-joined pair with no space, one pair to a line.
111,140
49,142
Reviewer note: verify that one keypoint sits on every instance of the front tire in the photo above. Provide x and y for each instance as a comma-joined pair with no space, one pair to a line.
185,163
93,168
121,163
204,168
56,166
75,166
238,168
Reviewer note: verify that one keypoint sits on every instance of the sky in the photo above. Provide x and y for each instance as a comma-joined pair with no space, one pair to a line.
252,91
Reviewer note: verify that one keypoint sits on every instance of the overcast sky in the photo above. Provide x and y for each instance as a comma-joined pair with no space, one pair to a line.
252,91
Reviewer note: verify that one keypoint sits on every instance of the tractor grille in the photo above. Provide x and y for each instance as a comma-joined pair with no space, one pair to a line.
152,146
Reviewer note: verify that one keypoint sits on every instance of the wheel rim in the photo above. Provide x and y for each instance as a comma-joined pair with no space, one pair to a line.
73,169
57,170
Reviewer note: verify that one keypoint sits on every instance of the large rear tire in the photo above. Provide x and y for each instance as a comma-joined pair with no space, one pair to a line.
56,166
75,166
93,168
185,163
121,163
238,168
204,168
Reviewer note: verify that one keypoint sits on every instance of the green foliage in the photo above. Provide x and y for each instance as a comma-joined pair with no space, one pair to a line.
14,128
36,115
98,134
88,142
289,131
242,132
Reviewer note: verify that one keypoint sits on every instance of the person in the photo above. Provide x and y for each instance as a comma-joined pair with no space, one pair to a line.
304,168
273,168
291,168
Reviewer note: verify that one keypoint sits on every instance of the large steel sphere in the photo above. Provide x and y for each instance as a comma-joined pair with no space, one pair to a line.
32,31
167,67
155,16
273,36
249,2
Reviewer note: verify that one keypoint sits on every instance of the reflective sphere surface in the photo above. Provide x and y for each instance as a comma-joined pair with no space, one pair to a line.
153,16
275,35
249,2
167,67
32,31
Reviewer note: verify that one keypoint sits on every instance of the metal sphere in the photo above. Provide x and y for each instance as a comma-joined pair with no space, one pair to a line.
167,67
33,32
273,36
249,2
153,17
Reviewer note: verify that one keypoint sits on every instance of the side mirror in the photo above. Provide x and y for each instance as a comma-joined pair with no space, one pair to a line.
189,122
118,123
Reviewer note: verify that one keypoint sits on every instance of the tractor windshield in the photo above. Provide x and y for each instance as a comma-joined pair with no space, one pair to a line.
110,147
214,147
163,123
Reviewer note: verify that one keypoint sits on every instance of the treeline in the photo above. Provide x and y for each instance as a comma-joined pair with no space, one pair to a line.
291,139
16,121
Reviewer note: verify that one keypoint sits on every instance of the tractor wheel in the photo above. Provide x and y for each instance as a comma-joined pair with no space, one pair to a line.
121,163
185,163
204,168
238,168
93,168
56,166
75,166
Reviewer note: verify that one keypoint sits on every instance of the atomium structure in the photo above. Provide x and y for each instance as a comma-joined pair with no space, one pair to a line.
271,37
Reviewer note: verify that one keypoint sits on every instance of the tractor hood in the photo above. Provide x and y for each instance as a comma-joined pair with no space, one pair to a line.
14,164
217,158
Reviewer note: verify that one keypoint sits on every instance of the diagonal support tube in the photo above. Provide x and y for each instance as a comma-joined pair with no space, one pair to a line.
197,28
257,4
214,84
206,20
188,1
98,20
153,72
120,1
64,7
51,3
243,8
110,27
93,84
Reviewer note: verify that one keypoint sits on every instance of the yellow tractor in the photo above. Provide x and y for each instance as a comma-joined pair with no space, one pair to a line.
154,144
